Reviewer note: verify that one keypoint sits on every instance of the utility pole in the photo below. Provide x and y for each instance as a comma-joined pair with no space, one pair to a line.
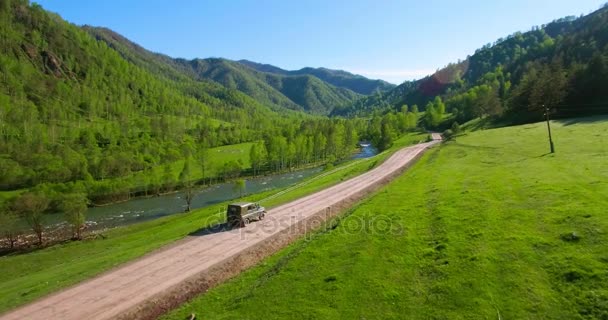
549,130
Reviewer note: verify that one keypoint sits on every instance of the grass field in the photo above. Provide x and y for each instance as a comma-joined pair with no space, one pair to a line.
27,276
488,226
217,158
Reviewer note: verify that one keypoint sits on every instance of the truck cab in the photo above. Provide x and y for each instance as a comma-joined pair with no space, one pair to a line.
242,213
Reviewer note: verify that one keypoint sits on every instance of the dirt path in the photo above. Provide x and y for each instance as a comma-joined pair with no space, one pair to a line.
163,279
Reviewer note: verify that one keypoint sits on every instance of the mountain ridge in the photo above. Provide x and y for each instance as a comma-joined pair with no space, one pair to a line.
339,78
314,90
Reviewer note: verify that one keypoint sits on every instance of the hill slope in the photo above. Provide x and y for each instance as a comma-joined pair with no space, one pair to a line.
561,65
59,88
102,118
291,91
295,91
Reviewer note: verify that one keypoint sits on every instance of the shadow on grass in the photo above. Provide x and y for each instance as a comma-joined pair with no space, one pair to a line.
456,143
583,120
19,250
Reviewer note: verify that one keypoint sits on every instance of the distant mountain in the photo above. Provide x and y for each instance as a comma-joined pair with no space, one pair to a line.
316,91
264,67
562,65
338,78
290,91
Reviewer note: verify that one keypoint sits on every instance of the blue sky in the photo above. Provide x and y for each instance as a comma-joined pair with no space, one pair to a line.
390,40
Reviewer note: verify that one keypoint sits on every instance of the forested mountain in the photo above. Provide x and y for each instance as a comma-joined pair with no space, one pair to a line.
562,66
338,78
79,116
297,91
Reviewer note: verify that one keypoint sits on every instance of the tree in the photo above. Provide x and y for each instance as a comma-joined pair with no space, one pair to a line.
432,118
32,206
189,196
185,178
456,127
231,169
386,135
203,160
239,187
8,225
439,105
74,206
256,156
186,174
319,143
169,178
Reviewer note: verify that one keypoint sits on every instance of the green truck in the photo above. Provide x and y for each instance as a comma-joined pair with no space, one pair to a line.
240,214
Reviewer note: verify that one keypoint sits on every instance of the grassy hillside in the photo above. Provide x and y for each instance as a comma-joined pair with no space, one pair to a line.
488,226
30,275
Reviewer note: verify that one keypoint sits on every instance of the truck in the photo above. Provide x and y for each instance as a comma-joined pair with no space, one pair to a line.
240,214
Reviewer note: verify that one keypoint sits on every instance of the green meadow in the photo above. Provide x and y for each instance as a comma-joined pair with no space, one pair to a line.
486,226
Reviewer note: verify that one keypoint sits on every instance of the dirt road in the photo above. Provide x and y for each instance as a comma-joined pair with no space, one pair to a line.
146,287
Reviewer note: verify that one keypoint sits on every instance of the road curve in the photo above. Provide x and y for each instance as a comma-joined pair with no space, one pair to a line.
120,290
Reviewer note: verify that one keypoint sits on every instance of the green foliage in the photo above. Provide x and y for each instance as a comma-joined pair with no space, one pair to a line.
74,206
31,206
8,225
257,156
239,187
456,128
185,176
382,131
432,116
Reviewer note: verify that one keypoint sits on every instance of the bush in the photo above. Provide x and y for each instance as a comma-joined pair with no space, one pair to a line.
448,134
456,128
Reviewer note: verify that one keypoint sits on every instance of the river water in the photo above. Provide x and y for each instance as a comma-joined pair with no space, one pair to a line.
143,209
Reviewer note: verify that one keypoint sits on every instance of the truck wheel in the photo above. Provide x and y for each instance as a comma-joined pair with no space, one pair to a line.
246,222
262,216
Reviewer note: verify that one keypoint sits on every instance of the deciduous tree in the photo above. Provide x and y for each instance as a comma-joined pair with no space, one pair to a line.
32,206
74,207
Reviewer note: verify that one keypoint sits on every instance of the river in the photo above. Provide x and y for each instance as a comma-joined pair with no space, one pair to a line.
144,209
